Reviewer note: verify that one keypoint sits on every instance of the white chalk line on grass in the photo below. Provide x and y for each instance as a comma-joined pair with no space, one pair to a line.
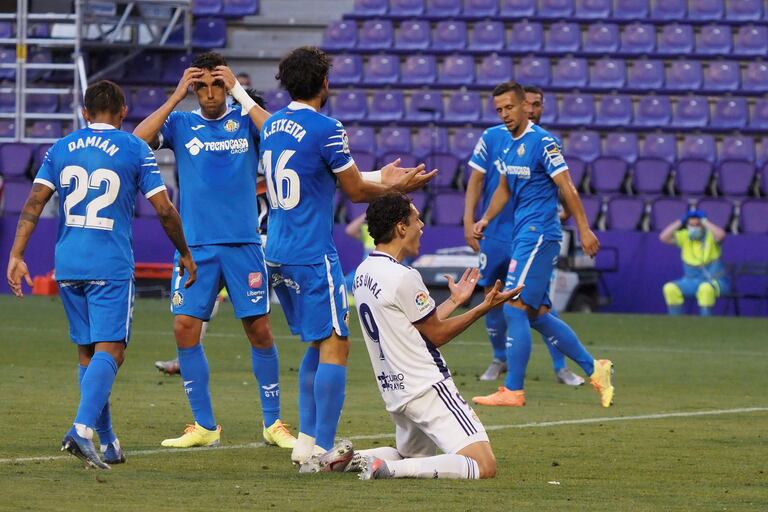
538,424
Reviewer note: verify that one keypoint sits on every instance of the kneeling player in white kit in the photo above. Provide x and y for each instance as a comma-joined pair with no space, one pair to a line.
402,328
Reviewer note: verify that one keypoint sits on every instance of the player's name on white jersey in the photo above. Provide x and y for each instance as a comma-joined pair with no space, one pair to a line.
93,141
287,126
366,281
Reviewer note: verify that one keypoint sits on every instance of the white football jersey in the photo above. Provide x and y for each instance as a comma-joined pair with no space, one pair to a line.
390,297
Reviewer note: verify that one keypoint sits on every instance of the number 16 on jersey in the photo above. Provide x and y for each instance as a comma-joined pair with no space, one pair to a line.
282,182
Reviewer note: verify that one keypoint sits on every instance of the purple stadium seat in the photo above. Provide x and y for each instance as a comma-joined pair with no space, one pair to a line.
630,9
602,38
751,40
714,40
493,70
659,145
15,194
758,119
650,176
7,128
420,200
361,139
607,174
764,180
684,75
646,74
706,10
340,35
562,37
443,8
370,8
8,101
570,72
592,9
448,165
653,111
7,56
584,145
744,10
381,69
173,67
42,103
418,70
638,38
549,115
349,105
45,129
755,77
517,8
42,149
346,70
406,7
365,161
354,210
754,217
592,207
675,39
146,101
464,141
718,211
394,140
428,140
577,109
526,36
621,145
413,35
624,213
238,8
448,208
146,65
533,71
449,35
692,177
665,210
456,70
614,110
722,76
463,107
737,147
691,112
276,99
488,36
607,73
700,147
376,35
425,106
15,159
577,169
209,33
6,30
730,113
386,106
481,7
206,7
558,9
668,10
734,178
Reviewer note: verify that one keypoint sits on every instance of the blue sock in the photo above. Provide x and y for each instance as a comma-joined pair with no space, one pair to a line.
565,340
194,375
95,388
496,326
558,359
330,384
307,371
675,310
266,370
104,422
518,346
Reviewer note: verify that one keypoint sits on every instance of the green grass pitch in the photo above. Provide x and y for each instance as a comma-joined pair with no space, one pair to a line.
689,430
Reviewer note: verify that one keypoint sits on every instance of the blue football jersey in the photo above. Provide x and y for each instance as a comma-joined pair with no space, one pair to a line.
97,172
301,151
529,164
217,164
486,158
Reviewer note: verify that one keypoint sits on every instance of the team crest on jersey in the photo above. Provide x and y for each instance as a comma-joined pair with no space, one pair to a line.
255,280
178,299
422,300
521,150
231,125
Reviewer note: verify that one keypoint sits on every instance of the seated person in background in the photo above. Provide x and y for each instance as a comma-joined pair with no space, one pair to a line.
704,275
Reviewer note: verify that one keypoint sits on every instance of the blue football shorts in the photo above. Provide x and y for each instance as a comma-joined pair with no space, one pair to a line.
494,261
98,310
313,297
240,267
532,263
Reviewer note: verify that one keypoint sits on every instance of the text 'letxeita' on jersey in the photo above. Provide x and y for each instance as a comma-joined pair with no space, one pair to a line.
97,172
301,150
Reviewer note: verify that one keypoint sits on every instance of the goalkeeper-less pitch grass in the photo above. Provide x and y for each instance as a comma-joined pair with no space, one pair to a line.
689,430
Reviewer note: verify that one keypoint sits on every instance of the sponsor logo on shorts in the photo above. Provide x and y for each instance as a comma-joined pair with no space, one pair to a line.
512,265
422,300
255,280
177,299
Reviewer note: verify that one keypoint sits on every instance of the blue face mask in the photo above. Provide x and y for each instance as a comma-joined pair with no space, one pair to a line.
695,232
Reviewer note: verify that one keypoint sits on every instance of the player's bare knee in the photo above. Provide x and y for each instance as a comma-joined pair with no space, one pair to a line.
259,332
186,329
334,350
487,467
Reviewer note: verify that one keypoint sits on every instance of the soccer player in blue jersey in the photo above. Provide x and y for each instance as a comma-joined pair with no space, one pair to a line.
97,172
533,172
305,155
217,165
494,247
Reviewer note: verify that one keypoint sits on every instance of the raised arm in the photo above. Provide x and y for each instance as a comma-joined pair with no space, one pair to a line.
667,234
362,191
171,222
257,114
474,191
717,231
572,202
498,202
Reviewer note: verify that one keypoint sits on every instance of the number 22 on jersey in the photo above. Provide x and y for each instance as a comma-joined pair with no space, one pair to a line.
82,182
282,183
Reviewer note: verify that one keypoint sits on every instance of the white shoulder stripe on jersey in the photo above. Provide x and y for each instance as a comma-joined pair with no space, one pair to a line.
344,167
154,191
46,183
149,165
476,167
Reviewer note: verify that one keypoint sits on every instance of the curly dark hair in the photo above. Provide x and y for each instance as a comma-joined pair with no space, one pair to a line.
509,86
208,60
303,71
104,96
384,213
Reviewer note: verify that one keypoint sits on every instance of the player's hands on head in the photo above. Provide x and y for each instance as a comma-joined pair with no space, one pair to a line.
589,243
461,290
188,79
17,270
478,229
226,75
405,179
188,265
496,296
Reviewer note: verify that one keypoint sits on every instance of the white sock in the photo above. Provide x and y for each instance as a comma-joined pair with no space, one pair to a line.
384,453
83,431
303,449
448,465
